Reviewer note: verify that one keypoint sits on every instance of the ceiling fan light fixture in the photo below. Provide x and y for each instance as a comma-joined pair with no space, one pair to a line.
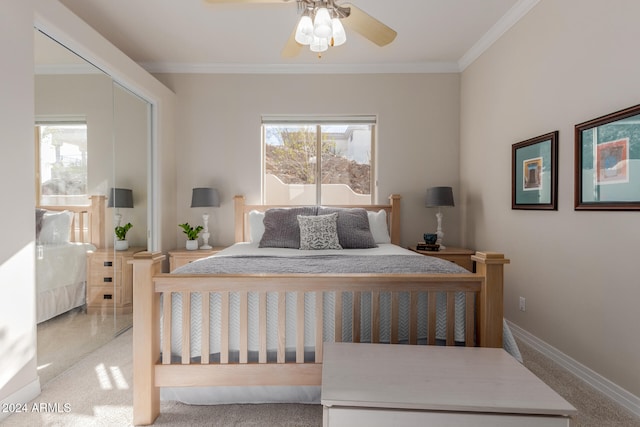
322,23
304,31
339,35
319,44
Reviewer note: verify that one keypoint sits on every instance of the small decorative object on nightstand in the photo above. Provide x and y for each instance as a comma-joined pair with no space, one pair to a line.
205,197
437,197
180,257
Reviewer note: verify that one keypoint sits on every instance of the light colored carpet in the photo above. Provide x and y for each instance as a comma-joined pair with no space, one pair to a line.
69,337
98,392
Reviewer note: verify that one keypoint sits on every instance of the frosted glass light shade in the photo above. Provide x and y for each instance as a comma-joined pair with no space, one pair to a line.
339,35
319,44
304,31
322,23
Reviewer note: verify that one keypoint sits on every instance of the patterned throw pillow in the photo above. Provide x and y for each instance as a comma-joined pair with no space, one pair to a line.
319,232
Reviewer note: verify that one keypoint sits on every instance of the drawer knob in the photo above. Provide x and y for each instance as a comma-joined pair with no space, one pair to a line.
107,296
107,279
107,264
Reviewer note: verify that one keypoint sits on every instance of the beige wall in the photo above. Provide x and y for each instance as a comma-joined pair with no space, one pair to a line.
564,63
18,377
218,136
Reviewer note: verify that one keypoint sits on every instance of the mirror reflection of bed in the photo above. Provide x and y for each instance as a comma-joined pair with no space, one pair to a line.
65,236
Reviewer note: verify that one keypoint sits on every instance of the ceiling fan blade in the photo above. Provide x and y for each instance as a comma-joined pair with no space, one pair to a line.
292,48
368,26
248,1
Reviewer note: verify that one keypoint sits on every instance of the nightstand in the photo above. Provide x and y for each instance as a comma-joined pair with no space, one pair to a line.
460,256
180,257
110,281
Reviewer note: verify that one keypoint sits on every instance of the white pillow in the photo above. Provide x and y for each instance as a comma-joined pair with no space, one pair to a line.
256,226
378,226
56,227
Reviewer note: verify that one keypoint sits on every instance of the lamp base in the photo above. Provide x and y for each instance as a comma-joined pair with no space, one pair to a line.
205,239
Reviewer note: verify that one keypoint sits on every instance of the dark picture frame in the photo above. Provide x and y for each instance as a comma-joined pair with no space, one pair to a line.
607,162
534,173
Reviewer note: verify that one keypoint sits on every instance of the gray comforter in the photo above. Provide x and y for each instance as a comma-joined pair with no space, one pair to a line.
320,264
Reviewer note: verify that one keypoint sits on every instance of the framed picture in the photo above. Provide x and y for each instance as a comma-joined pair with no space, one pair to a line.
607,162
534,181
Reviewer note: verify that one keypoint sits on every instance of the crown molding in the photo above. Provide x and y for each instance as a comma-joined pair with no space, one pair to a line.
520,9
406,68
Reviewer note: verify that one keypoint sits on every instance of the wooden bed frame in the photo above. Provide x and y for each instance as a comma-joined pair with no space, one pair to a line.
88,222
153,367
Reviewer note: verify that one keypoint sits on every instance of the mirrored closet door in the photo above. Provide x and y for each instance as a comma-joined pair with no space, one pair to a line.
91,141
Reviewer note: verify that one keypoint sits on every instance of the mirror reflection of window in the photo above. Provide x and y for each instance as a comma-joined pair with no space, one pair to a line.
61,151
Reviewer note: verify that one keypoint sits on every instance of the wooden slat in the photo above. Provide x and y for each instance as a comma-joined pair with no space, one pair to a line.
186,328
469,317
338,314
166,328
224,328
206,326
244,327
262,322
395,316
413,318
451,317
319,326
282,324
355,336
431,304
300,327
375,317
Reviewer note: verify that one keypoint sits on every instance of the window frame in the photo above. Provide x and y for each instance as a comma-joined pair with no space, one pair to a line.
318,122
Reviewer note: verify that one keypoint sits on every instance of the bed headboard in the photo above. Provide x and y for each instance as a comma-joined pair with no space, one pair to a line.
242,216
88,222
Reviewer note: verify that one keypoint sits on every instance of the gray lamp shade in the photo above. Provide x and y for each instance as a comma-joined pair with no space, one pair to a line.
439,196
205,197
120,198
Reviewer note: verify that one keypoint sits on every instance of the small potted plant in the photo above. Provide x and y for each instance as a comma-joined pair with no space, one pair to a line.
192,235
122,244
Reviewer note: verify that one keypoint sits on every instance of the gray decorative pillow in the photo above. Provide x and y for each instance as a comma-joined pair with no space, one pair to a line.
281,229
353,227
319,232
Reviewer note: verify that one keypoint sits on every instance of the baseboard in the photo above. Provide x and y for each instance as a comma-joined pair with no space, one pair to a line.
595,380
25,395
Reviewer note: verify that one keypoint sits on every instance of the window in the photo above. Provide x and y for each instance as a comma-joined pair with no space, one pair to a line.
61,164
309,162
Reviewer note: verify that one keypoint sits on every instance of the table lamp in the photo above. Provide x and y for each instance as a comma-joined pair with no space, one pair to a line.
205,197
437,197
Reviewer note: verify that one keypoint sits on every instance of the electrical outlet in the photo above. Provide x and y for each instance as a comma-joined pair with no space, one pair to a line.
523,304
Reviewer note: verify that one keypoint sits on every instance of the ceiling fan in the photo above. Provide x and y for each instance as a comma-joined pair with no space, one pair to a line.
320,25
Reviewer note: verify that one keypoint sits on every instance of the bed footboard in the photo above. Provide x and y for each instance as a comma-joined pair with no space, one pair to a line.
155,367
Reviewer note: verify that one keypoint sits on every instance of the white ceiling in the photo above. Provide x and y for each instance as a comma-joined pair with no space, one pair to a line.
196,36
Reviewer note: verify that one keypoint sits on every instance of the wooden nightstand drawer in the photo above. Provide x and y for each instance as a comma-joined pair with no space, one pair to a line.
105,278
107,262
104,296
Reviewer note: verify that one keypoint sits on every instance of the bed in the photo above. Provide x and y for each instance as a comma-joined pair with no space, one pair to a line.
240,329
64,235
